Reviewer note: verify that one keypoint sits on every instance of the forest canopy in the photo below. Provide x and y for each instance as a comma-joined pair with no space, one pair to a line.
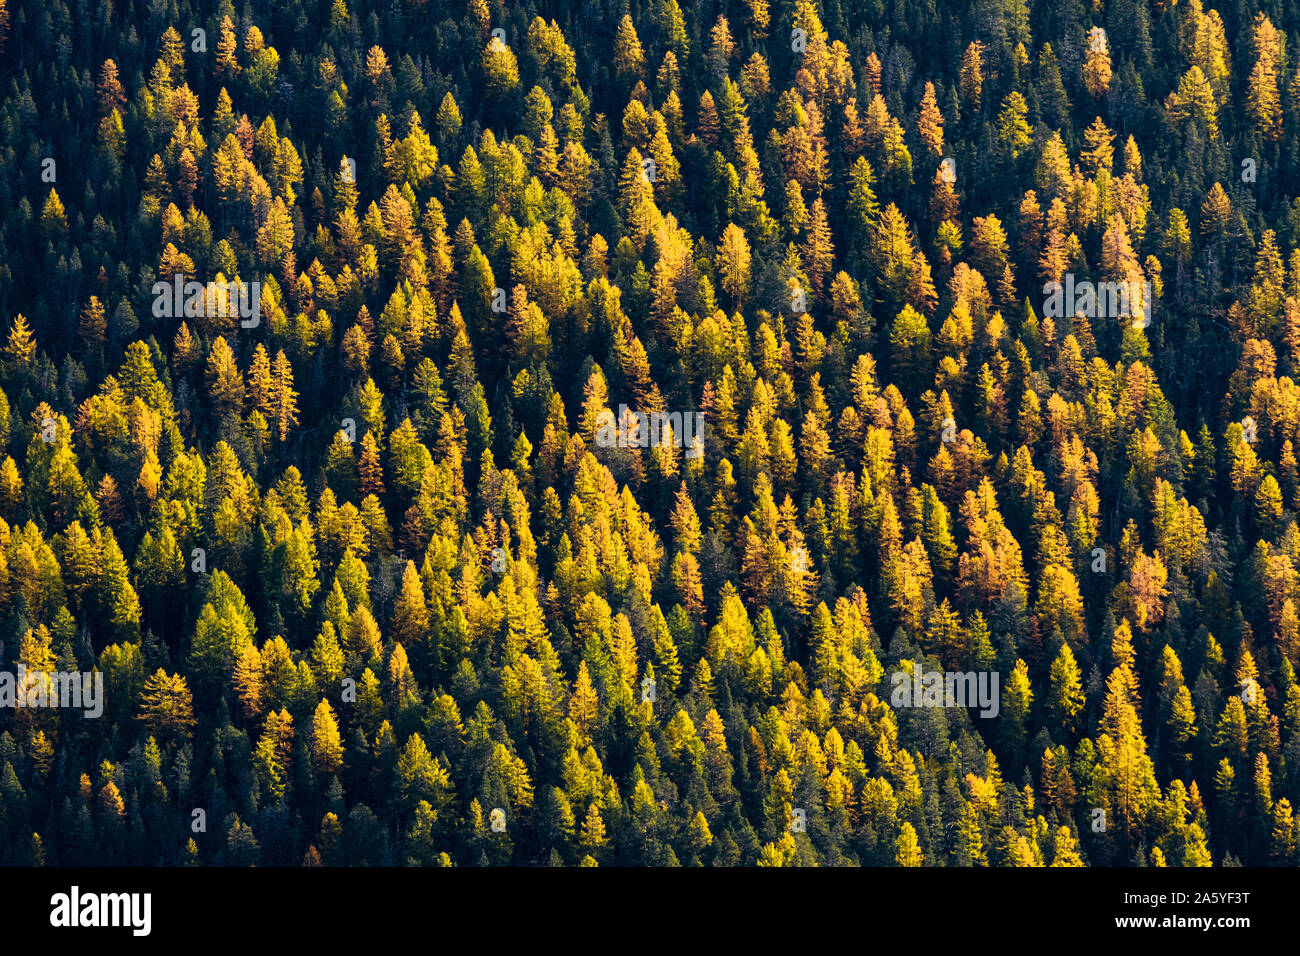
475,433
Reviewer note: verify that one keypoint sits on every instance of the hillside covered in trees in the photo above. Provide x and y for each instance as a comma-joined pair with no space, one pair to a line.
378,566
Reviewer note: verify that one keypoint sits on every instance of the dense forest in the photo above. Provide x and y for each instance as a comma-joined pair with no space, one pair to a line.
330,331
